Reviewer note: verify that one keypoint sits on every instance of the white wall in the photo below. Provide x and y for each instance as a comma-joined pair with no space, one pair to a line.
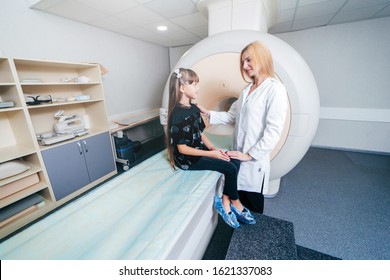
137,70
350,63
175,53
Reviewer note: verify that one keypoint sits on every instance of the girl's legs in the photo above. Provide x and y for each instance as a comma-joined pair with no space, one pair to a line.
230,194
242,213
230,170
236,202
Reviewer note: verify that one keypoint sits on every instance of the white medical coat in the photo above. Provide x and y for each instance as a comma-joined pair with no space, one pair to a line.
259,120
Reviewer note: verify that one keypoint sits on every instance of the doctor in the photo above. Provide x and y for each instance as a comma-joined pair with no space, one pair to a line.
259,115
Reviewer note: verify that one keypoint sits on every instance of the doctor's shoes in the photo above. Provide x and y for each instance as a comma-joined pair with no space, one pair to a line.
244,216
229,218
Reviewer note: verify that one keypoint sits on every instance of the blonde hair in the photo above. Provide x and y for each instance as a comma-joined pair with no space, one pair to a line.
179,77
261,56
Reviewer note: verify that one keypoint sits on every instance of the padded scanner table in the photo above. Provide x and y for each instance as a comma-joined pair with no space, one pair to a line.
148,212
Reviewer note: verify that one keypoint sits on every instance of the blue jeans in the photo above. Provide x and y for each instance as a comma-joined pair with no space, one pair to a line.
228,168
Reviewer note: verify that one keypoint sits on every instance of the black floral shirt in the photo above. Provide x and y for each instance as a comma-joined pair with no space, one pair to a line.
186,128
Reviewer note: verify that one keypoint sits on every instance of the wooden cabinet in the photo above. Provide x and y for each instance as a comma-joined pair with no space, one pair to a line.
76,164
75,89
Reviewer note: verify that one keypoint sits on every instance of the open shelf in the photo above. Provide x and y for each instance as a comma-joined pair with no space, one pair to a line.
76,89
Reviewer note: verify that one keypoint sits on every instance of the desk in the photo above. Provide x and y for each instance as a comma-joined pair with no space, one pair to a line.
130,121
135,119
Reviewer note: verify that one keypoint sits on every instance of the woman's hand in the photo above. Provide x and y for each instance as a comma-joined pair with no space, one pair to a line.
203,111
219,154
216,153
240,156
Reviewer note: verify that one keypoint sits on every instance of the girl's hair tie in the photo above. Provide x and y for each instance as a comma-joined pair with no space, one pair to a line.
178,75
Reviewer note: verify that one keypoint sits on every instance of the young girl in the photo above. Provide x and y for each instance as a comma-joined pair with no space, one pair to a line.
189,149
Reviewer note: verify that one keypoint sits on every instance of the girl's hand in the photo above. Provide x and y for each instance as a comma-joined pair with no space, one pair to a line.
219,154
240,156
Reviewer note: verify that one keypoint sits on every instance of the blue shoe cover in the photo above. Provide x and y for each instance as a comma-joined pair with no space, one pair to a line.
244,216
230,219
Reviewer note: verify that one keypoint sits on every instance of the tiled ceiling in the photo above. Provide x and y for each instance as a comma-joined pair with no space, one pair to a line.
186,25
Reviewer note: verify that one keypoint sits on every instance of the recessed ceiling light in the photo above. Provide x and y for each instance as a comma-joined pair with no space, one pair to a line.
162,28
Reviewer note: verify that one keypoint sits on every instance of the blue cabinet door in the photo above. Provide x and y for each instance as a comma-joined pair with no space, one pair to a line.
66,168
98,155
74,165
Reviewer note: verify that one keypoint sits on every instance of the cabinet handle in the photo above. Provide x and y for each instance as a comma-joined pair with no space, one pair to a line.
80,148
85,146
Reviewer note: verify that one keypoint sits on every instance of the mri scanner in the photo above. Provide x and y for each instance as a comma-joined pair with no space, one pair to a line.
172,215
216,60
177,220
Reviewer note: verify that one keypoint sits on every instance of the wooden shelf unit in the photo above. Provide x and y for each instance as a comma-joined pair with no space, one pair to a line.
63,82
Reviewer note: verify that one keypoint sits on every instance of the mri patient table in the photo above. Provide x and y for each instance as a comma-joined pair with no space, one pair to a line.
148,212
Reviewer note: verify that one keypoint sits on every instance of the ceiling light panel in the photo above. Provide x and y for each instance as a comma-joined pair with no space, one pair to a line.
171,27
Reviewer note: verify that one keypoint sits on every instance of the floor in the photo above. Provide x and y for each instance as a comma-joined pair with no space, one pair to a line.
338,202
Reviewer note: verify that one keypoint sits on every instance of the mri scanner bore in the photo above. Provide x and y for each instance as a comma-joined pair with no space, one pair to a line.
216,60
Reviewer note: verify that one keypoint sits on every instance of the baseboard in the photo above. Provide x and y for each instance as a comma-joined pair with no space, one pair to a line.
350,150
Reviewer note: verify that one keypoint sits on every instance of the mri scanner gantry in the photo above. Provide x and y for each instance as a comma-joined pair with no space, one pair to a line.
216,60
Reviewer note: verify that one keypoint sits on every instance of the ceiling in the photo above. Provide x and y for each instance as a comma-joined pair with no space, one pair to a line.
186,25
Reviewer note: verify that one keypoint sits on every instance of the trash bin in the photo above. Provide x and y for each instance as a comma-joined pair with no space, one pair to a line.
126,153
122,141
126,149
